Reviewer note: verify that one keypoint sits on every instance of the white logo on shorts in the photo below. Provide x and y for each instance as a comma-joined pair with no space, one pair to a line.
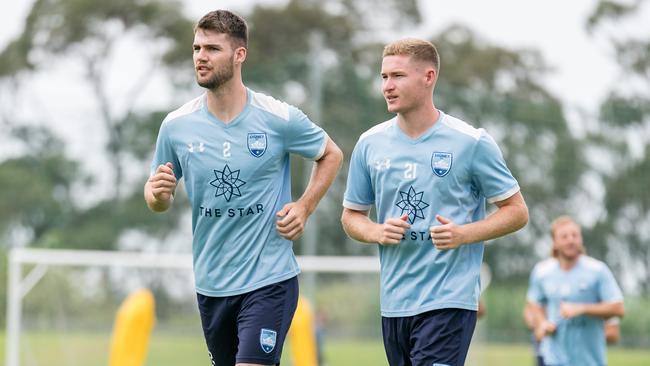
267,339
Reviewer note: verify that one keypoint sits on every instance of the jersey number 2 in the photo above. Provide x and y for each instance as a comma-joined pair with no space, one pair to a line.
226,149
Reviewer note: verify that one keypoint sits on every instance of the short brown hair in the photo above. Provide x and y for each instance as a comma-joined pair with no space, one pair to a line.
418,49
224,21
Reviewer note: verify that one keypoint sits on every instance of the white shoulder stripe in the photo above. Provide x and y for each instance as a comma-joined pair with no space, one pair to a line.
270,104
377,129
591,262
187,108
462,126
356,206
546,266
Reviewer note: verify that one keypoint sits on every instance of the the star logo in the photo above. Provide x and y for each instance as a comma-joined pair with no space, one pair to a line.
227,183
412,204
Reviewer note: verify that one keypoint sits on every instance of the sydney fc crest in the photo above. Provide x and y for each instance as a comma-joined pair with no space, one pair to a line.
441,163
267,339
257,144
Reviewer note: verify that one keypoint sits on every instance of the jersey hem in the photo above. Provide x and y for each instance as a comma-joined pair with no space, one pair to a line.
356,206
505,195
254,287
321,150
446,305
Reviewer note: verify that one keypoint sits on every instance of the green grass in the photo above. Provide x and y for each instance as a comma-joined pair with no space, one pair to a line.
47,349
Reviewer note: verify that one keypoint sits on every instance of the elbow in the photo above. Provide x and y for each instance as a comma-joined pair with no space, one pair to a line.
344,222
521,216
337,156
523,220
619,310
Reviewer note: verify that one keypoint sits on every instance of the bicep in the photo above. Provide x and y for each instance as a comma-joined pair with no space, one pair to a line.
349,215
516,200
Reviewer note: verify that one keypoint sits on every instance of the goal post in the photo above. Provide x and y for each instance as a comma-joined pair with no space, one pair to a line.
21,282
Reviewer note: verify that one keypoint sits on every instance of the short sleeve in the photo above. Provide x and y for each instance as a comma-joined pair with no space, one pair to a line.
608,289
535,292
490,173
165,152
304,137
359,194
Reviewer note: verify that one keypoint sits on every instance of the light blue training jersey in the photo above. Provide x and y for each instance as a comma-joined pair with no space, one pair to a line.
579,341
450,170
237,177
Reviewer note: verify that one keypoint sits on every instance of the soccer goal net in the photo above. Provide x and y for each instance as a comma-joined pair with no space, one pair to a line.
62,306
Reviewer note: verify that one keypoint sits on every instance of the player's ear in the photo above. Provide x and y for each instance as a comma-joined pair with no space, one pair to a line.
240,55
431,76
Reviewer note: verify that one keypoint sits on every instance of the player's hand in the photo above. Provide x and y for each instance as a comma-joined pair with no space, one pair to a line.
570,310
163,182
543,329
447,235
392,230
291,222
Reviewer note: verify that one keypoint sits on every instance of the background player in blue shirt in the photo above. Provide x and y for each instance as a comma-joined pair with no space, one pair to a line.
232,146
571,295
429,176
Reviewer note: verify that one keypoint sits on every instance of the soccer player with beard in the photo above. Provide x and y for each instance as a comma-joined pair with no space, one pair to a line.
571,295
232,146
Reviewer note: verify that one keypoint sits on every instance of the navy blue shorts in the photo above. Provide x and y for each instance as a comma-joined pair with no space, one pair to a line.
435,338
251,327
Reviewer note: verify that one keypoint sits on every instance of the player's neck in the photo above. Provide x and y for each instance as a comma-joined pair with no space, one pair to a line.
227,101
567,263
416,122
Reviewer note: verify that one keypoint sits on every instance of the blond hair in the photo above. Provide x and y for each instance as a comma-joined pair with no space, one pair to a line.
561,221
417,49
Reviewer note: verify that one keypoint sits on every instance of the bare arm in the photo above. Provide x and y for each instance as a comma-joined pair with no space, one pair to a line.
511,215
294,215
359,227
602,310
612,330
530,316
159,188
541,325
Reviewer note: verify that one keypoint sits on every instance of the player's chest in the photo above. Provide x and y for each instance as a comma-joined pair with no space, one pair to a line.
578,288
432,163
246,150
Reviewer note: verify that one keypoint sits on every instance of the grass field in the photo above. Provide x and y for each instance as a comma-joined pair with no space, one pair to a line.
166,350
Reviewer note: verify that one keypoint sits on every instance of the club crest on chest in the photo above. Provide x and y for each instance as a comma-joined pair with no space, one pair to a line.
257,143
441,163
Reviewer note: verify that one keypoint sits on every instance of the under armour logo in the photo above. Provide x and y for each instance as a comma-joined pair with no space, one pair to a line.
191,147
382,164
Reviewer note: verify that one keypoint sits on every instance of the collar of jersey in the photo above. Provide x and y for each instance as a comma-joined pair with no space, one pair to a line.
236,120
401,135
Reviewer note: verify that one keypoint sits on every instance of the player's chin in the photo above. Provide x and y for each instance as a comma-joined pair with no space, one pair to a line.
392,107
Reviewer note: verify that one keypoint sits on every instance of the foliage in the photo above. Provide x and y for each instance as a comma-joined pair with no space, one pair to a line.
622,235
490,86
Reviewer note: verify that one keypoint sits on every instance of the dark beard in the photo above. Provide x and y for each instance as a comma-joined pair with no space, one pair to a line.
219,78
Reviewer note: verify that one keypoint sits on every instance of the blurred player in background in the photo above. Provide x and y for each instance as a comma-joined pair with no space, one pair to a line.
612,326
232,146
429,176
570,296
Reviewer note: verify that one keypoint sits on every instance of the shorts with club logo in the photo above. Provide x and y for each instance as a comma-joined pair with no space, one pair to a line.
434,338
251,327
